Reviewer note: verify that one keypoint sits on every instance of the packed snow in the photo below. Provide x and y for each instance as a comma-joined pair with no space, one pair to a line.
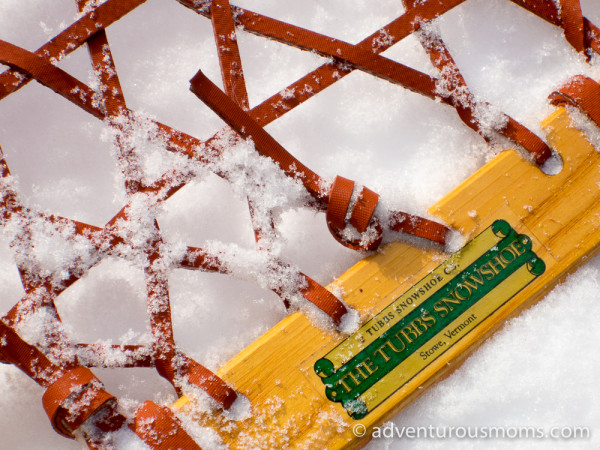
540,370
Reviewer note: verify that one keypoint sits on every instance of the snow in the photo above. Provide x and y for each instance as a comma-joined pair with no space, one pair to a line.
539,370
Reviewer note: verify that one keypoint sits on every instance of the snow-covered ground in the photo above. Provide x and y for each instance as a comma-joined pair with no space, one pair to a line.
539,370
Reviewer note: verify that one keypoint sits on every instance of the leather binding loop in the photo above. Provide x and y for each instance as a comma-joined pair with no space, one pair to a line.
341,190
362,214
324,300
420,227
213,385
363,209
582,92
339,200
158,427
74,398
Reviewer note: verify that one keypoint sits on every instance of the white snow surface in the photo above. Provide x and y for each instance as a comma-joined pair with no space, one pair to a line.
539,370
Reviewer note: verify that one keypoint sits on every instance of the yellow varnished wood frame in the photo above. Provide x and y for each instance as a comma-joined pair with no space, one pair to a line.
561,214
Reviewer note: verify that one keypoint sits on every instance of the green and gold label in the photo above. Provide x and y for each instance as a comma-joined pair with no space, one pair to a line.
428,319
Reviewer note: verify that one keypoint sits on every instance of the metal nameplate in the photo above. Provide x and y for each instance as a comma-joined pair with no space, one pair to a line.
428,319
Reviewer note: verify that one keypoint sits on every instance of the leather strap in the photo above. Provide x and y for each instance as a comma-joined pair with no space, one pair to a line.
366,58
339,200
229,53
340,195
243,124
420,227
363,209
564,13
235,87
327,74
341,191
158,427
206,380
315,293
74,398
27,357
464,102
572,23
164,348
325,300
80,94
582,92
50,76
70,39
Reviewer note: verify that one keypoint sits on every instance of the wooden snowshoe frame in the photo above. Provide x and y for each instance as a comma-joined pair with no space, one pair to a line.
545,223
558,212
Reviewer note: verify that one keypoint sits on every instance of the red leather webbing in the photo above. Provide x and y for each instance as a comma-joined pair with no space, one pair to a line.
582,92
71,38
27,357
229,53
464,102
114,104
220,102
74,398
566,14
547,9
527,139
592,34
159,309
158,427
161,324
339,200
328,74
325,300
234,84
108,102
241,122
84,97
104,67
235,117
313,291
50,76
513,130
366,58
363,209
572,23
71,396
418,226
358,56
338,197
41,298
205,379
